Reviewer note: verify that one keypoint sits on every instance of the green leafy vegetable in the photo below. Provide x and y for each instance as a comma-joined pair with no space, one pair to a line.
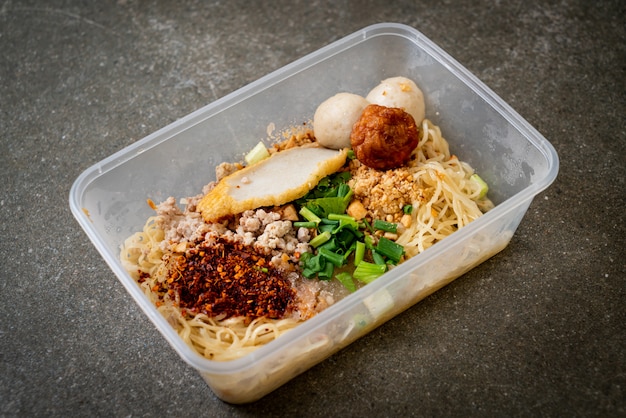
324,206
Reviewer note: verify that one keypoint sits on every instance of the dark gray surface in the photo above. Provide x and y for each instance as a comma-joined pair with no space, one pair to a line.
539,329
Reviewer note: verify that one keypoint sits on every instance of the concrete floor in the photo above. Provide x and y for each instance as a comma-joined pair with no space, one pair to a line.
537,330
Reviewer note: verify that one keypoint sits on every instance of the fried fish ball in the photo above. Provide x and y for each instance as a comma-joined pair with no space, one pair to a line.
333,119
399,92
384,137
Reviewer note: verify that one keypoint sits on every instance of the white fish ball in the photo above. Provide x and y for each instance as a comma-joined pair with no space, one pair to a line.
334,118
399,92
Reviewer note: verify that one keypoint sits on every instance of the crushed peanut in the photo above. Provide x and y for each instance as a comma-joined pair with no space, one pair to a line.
383,194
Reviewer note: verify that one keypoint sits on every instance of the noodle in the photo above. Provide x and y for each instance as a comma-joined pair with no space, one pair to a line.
447,201
452,203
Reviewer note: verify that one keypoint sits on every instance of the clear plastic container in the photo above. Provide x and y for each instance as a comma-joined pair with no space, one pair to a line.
109,198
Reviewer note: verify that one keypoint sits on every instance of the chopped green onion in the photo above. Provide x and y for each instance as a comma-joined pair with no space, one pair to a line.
312,266
484,188
359,253
341,217
344,221
334,258
385,226
256,154
348,196
346,279
368,272
324,227
309,215
378,258
305,256
344,239
358,234
327,272
369,242
368,226
320,239
316,265
343,190
408,209
313,262
330,245
390,249
307,224
347,252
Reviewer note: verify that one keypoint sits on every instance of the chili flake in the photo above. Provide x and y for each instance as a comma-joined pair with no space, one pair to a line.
225,279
